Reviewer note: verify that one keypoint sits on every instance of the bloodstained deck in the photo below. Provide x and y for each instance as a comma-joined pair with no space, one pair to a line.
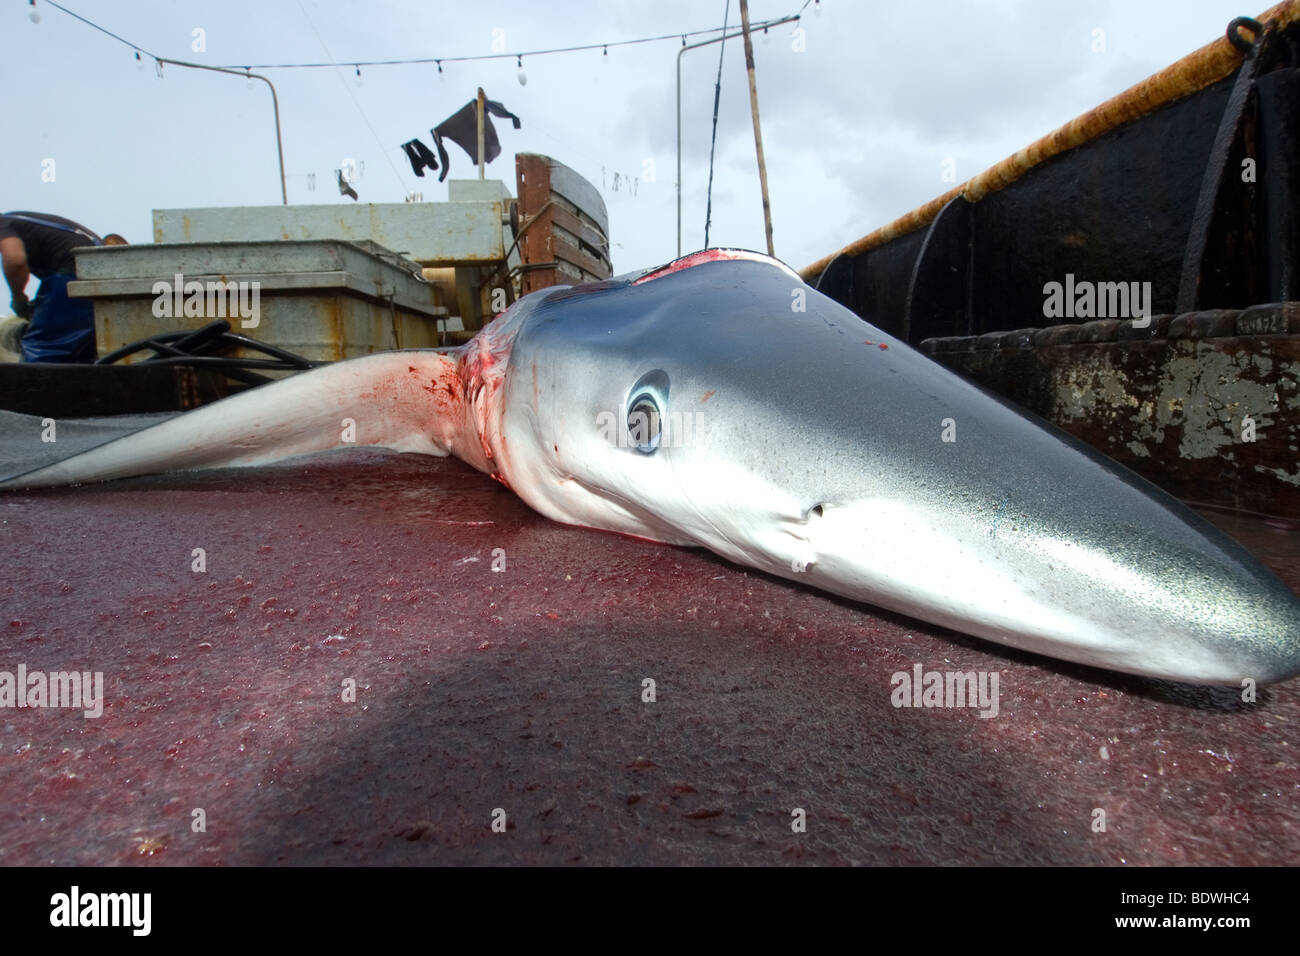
522,689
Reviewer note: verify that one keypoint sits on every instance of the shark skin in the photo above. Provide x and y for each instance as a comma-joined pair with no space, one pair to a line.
720,402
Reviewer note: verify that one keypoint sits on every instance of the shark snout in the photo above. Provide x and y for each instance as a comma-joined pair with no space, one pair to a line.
1262,642
1192,607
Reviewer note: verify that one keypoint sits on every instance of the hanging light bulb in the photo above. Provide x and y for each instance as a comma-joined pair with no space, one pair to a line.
523,77
604,57
357,81
139,63
766,38
439,62
249,74
33,14
817,7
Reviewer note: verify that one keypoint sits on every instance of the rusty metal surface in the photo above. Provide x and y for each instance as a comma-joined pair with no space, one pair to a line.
1206,405
322,299
1196,71
432,234
563,235
536,240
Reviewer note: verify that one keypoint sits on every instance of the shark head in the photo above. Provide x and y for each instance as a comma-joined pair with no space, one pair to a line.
721,402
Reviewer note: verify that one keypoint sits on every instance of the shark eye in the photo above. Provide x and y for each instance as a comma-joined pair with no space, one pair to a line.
644,423
647,403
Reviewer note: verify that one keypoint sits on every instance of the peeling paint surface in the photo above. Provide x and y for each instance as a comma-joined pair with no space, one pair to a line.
1213,420
1202,392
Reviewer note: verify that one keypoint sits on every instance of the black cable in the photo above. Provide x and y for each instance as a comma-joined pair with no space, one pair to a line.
717,97
91,23
419,60
194,348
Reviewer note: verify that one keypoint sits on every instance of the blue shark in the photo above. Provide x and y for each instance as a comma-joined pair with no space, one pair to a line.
720,402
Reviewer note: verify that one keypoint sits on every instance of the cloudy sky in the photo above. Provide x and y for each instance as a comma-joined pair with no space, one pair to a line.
856,126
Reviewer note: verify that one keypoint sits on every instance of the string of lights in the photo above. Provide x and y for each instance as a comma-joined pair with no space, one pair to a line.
517,55
139,52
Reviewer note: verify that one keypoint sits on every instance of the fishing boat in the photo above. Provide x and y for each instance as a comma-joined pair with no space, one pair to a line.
383,658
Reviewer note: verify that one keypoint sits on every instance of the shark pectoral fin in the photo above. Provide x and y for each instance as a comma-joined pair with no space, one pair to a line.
410,401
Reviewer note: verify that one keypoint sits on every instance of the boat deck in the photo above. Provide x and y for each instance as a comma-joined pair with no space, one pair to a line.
522,690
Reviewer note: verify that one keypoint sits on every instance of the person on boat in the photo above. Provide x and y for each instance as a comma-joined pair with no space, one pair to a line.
61,329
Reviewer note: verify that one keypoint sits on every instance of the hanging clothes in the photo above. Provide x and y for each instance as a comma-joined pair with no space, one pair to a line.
345,187
421,157
461,128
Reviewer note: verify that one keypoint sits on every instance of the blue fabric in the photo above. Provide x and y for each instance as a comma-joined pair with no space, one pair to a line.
62,329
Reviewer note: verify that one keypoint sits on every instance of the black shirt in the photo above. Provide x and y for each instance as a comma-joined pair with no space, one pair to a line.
49,247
